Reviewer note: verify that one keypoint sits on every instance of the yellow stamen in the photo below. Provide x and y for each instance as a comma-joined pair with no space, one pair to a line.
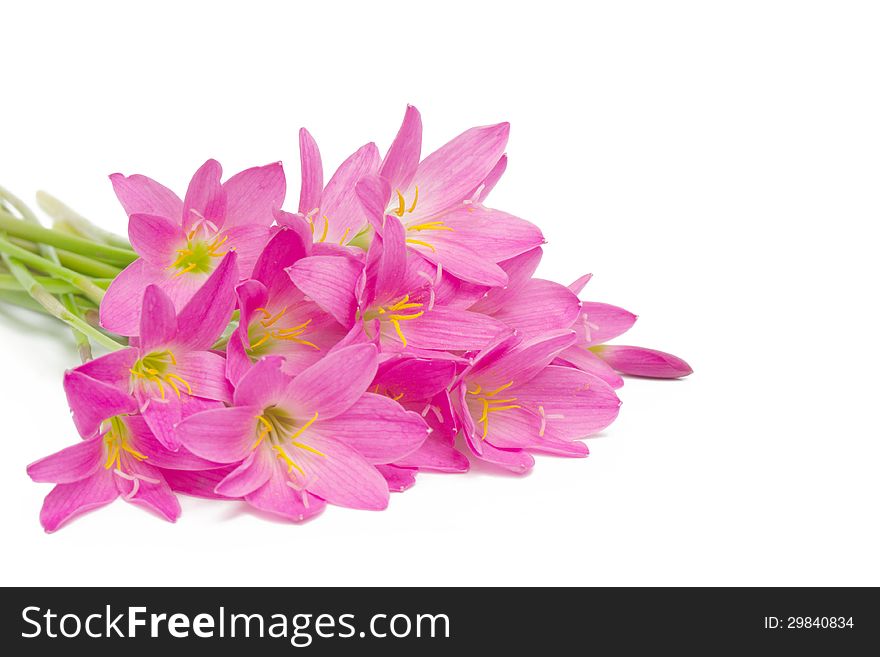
405,317
299,431
399,332
401,207
421,243
415,200
271,319
284,457
503,408
186,269
326,228
184,382
476,391
344,235
429,225
260,341
398,397
308,448
499,389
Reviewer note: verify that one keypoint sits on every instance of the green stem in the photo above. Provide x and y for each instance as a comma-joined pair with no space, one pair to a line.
55,308
82,283
83,346
64,216
22,300
35,233
74,261
9,282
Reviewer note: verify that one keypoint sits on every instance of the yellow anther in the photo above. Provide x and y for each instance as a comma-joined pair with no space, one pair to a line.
284,457
401,204
475,391
398,397
344,235
493,409
326,228
405,317
499,389
268,319
429,225
415,200
261,341
421,243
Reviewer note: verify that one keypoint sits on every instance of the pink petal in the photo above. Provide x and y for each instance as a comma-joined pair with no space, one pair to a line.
451,330
248,241
92,402
515,460
491,180
199,483
450,174
157,454
493,234
342,476
121,306
312,173
162,416
253,195
250,475
113,368
158,320
206,314
276,497
330,282
282,251
333,384
223,435
416,379
601,322
251,296
435,455
377,427
402,158
578,286
238,363
265,384
340,203
205,197
139,194
638,361
540,307
68,500
205,372
586,360
155,238
521,363
374,193
575,404
386,260
152,490
398,479
295,222
70,464
458,259
519,271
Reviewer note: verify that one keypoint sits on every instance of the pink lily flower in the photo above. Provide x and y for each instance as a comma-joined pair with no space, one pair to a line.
172,367
110,461
181,242
600,322
300,442
396,301
511,400
276,317
333,213
439,201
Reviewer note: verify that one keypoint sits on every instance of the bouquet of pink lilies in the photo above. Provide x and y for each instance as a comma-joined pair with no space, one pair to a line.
391,325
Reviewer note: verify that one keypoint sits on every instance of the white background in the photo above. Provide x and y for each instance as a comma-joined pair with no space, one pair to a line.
715,165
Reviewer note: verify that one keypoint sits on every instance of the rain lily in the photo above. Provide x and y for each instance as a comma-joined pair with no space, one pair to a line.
511,400
276,317
599,322
111,460
299,442
172,364
393,298
439,201
181,242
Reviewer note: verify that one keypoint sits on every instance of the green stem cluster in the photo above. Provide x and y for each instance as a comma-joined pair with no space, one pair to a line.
61,271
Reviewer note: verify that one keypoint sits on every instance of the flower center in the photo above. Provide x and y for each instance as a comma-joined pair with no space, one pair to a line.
198,255
402,209
487,402
153,368
266,329
400,311
324,227
280,431
116,442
